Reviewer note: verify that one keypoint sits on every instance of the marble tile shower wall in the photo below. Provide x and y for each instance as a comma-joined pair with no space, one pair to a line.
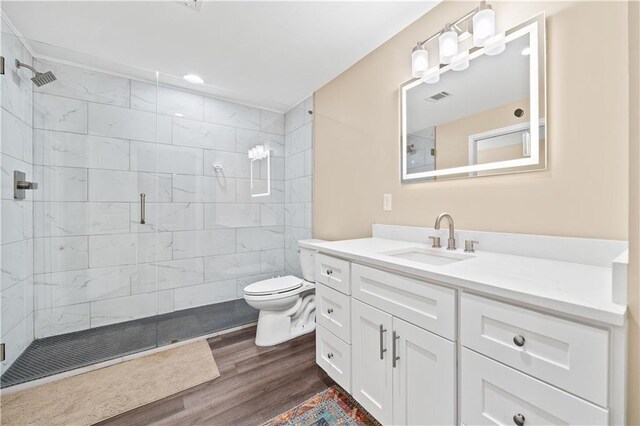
298,166
101,140
16,234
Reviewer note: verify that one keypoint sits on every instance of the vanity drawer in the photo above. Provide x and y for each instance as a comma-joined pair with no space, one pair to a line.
333,311
336,273
492,393
334,356
563,353
428,306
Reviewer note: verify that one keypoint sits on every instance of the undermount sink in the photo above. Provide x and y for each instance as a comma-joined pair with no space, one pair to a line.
429,256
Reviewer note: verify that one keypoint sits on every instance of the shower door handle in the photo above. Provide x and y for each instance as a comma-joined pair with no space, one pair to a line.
142,207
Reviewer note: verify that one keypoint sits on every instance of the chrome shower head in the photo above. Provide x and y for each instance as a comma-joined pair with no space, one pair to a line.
39,78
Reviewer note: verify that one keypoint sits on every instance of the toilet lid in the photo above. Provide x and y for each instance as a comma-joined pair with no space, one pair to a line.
274,285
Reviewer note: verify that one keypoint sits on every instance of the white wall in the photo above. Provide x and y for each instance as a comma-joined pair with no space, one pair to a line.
298,171
16,291
99,141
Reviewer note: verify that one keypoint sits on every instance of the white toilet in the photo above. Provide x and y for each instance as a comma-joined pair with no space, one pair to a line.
286,304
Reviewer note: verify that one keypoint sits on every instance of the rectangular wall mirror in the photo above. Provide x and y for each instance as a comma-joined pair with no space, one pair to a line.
487,119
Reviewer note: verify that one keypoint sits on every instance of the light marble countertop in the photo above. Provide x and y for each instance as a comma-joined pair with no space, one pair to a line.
575,289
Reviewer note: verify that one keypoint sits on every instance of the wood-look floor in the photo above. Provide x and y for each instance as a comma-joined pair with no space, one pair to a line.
255,384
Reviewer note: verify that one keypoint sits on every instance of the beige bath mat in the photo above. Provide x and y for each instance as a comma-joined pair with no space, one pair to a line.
97,395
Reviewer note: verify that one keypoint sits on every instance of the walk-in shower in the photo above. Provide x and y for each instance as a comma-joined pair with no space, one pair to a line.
88,275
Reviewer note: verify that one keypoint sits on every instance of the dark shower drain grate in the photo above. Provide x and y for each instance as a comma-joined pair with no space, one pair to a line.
65,352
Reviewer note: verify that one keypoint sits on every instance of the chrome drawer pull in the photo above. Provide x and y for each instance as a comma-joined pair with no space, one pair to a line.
329,355
519,340
394,352
142,208
382,348
330,311
518,419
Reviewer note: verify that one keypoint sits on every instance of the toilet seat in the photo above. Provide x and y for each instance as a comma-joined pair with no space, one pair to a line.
274,286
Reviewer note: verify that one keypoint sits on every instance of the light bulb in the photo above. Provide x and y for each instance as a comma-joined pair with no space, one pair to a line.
448,45
419,61
192,78
484,24
432,76
460,62
495,45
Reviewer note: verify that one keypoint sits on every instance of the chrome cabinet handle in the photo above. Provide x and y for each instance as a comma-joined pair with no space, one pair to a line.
382,348
518,340
330,311
518,419
330,355
394,352
142,207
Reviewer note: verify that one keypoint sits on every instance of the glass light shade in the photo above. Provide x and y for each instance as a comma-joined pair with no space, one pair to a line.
495,45
460,62
419,62
432,76
484,26
448,46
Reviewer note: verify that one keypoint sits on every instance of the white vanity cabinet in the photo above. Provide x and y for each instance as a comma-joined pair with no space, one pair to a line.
414,352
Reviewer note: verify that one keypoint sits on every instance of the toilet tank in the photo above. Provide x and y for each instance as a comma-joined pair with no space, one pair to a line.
308,261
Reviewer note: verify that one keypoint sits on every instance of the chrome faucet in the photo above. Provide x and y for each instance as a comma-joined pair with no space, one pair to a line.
451,244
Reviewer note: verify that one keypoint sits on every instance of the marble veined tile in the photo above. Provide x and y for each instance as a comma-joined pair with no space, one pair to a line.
17,220
61,218
127,249
236,265
17,262
247,139
204,294
293,235
203,243
126,308
64,319
166,101
53,148
190,188
234,164
265,238
233,215
243,192
231,114
60,254
124,123
60,183
271,261
125,186
16,300
57,113
300,190
16,136
85,84
168,274
166,217
299,140
295,118
16,86
85,285
271,214
272,122
149,157
203,135
292,263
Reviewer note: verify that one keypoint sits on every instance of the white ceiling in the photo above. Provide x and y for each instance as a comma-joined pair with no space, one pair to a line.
268,54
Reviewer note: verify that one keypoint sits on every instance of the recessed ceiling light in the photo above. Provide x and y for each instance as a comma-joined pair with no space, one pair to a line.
192,78
526,51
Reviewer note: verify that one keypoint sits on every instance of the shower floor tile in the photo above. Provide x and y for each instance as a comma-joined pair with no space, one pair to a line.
65,352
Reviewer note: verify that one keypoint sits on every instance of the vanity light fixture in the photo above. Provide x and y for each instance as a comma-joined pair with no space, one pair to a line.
192,78
479,24
484,24
432,76
447,44
419,61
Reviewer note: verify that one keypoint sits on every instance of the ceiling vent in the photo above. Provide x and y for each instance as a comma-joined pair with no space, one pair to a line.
438,97
192,4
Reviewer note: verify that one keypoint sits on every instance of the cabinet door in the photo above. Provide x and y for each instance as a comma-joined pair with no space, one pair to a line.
371,383
423,376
